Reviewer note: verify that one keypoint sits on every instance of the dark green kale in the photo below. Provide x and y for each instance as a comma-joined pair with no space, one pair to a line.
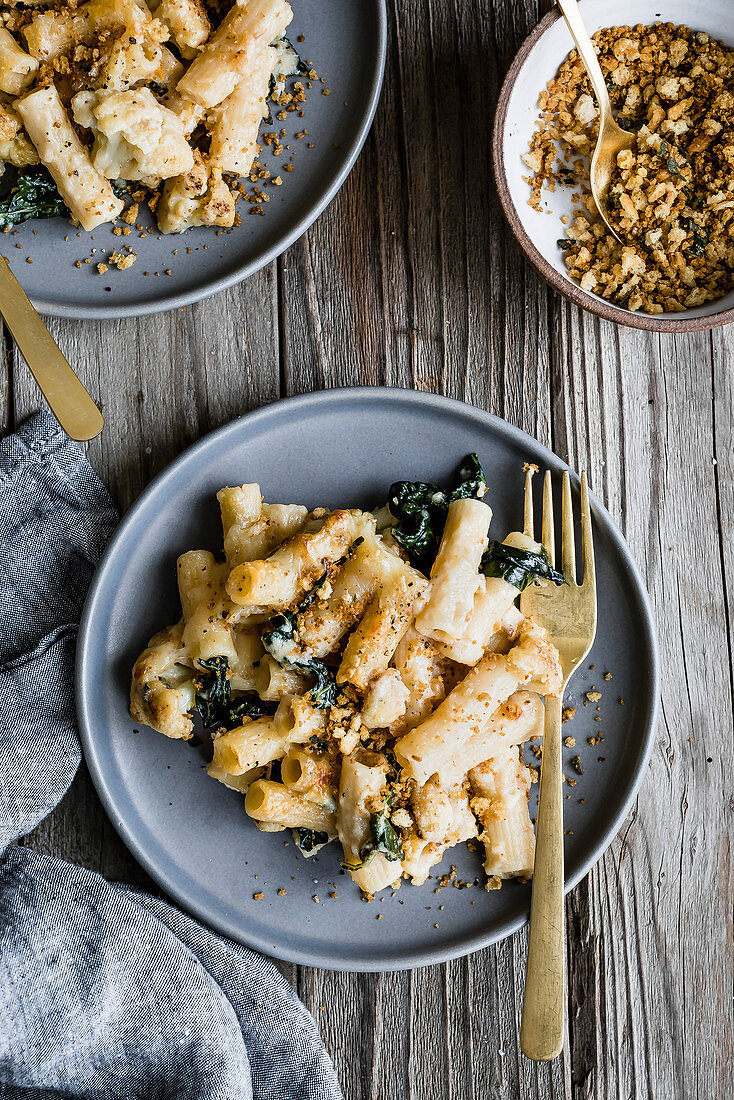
309,840
34,195
324,693
280,642
281,632
420,510
471,481
318,743
213,692
289,62
384,837
518,567
247,706
216,704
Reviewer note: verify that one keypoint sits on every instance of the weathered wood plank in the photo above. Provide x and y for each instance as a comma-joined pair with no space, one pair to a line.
646,957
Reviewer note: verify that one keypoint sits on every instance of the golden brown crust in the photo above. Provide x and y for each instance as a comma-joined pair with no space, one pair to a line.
152,701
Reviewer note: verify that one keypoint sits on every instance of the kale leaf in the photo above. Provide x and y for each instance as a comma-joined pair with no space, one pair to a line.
280,639
471,480
324,692
310,839
518,567
281,632
34,195
214,700
383,837
213,692
420,510
318,743
248,706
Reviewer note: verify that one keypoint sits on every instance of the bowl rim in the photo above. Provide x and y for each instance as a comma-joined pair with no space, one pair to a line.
560,282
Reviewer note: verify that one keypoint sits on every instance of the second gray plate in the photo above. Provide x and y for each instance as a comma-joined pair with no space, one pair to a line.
344,40
339,448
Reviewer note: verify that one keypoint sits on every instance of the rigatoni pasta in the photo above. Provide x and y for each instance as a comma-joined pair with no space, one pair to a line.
365,678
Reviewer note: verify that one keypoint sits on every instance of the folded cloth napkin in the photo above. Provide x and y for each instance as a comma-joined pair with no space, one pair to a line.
104,992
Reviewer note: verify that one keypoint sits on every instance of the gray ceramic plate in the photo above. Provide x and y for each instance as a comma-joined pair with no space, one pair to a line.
345,41
190,833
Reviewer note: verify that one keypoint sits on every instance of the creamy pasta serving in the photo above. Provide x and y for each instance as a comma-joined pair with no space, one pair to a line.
366,677
166,95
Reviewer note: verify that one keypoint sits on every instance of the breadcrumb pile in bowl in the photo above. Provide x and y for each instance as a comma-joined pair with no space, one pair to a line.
672,196
678,235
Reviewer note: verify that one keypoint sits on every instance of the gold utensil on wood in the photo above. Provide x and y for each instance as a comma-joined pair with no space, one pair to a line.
612,138
568,613
66,396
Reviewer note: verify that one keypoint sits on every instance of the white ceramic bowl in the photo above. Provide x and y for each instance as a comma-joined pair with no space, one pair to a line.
537,61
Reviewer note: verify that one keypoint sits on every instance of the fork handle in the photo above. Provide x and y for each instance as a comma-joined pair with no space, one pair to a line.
67,398
541,1030
587,53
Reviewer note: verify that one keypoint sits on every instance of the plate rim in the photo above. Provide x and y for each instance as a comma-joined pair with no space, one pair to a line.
264,256
458,946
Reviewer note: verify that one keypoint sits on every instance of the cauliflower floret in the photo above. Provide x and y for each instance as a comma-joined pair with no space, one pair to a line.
198,197
15,147
130,62
386,700
135,137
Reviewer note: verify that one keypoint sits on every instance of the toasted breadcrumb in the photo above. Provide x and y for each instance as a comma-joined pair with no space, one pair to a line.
671,198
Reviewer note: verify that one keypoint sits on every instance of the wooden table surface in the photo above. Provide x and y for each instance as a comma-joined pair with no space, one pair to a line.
411,278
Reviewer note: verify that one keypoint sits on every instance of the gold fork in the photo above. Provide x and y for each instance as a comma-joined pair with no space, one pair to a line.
568,613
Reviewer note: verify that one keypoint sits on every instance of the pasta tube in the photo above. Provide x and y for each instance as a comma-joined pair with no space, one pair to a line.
468,709
233,125
360,785
205,606
228,55
255,743
387,618
421,670
88,194
323,624
502,787
517,720
17,68
281,579
311,774
455,576
274,804
492,612
252,529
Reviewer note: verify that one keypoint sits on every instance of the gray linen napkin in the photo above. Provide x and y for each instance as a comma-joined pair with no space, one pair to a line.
104,992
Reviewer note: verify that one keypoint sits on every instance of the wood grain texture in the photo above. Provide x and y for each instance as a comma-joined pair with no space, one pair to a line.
410,278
